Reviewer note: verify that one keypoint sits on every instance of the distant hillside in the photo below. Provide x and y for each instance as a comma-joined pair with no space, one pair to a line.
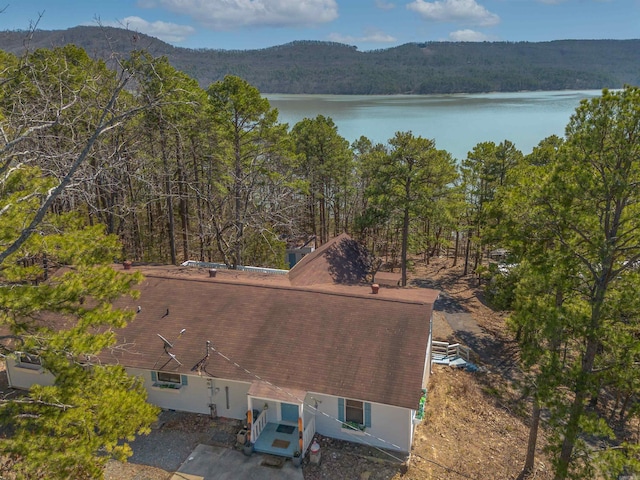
416,68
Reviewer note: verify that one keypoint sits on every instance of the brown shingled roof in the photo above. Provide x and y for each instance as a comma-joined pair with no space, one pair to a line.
340,260
334,339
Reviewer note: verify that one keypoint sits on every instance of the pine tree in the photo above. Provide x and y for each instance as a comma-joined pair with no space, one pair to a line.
574,224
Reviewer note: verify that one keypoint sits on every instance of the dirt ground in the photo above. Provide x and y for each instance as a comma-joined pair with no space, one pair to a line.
474,425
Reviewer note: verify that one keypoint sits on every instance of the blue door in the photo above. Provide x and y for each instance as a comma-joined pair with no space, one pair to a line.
289,412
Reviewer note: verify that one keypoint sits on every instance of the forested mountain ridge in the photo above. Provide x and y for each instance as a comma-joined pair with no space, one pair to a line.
414,68
143,164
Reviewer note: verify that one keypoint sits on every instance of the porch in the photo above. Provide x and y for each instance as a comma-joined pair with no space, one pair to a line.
283,427
454,355
278,439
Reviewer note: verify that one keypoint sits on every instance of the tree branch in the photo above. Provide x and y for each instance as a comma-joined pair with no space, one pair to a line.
32,401
103,125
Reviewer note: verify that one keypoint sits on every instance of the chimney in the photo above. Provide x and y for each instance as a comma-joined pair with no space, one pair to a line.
212,272
374,288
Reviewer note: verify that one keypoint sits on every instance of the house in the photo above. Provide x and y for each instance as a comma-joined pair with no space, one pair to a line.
312,351
295,254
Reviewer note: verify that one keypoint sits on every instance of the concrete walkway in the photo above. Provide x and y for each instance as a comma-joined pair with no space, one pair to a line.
218,463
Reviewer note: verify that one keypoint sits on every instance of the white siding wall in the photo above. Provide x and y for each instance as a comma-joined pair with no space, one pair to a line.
23,378
273,408
237,398
427,365
392,425
198,394
193,397
388,423
309,411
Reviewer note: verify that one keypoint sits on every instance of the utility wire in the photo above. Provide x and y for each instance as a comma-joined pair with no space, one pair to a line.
449,469
315,408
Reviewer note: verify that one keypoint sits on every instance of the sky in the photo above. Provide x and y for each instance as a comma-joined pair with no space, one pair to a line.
366,24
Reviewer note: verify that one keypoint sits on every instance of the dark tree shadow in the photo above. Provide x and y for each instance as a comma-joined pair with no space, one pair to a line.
349,262
445,302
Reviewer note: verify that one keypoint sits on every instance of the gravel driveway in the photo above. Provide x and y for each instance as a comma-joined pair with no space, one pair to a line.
172,439
176,435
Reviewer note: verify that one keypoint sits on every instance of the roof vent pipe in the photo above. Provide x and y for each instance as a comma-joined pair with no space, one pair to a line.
374,288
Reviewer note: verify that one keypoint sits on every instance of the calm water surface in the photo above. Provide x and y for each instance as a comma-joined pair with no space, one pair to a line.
456,122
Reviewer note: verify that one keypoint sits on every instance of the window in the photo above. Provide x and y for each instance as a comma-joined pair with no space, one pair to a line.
26,360
167,380
166,377
354,412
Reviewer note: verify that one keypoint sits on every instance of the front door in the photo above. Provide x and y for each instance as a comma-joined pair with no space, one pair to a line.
289,412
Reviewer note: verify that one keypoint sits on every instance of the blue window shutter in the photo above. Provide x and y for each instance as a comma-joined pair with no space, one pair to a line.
154,377
367,414
184,379
341,409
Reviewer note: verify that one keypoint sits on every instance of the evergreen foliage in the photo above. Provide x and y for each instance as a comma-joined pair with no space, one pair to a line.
143,153
326,166
408,182
414,68
573,225
71,428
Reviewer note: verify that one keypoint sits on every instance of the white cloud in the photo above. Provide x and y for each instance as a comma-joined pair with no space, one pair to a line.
169,32
558,2
456,11
469,36
370,36
229,14
382,5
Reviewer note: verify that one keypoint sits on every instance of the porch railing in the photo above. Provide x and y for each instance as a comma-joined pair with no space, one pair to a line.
258,425
308,434
446,349
222,266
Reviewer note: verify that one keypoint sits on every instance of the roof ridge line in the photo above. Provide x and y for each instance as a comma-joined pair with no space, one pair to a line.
289,287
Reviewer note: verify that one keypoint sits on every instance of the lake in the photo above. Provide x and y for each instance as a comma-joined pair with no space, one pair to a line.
456,122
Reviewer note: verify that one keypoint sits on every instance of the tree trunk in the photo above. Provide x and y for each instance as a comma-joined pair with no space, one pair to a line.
455,250
323,220
466,256
581,390
476,261
237,194
436,244
312,219
150,228
533,440
183,204
171,222
572,428
168,192
427,248
405,245
199,214
623,409
336,216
